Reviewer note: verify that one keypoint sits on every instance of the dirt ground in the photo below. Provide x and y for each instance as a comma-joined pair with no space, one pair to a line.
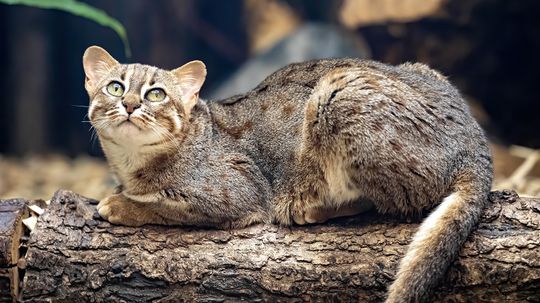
38,177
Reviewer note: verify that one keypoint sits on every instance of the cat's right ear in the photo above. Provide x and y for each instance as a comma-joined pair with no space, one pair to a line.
190,77
97,63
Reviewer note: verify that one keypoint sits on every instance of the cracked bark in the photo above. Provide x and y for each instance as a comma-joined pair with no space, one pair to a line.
73,256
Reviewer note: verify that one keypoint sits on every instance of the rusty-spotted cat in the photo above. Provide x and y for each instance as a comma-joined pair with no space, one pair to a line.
315,140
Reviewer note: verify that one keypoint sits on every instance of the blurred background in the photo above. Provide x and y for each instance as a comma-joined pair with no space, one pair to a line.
488,48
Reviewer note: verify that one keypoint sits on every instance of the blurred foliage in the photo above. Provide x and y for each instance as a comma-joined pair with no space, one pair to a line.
82,10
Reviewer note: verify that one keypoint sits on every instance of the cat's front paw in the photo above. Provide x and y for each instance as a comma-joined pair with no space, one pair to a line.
117,209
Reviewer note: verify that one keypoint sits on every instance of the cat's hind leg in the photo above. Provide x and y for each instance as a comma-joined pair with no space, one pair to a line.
322,184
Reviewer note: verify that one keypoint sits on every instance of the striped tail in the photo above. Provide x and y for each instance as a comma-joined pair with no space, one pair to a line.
439,239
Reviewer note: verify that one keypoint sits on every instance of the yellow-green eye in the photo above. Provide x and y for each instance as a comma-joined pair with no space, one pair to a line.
155,95
115,88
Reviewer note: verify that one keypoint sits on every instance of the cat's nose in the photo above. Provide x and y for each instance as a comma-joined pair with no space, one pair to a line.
131,106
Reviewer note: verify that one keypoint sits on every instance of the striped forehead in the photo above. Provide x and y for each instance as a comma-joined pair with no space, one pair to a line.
138,75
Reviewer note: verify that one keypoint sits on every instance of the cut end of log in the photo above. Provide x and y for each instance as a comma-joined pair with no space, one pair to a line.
12,214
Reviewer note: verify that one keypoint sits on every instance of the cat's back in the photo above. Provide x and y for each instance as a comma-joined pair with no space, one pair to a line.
282,95
267,121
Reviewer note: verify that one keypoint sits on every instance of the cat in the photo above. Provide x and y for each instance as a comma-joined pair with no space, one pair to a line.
315,140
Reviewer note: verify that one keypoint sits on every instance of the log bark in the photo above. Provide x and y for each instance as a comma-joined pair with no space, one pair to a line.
74,256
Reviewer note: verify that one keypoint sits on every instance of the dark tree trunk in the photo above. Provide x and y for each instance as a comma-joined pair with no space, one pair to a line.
29,80
73,256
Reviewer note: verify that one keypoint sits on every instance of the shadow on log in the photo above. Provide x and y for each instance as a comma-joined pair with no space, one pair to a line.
74,256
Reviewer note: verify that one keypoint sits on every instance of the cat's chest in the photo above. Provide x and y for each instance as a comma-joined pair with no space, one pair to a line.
126,162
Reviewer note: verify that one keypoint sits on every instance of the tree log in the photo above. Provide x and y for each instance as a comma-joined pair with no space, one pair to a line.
74,256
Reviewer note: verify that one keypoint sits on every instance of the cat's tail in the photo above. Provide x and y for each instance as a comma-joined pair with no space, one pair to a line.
440,237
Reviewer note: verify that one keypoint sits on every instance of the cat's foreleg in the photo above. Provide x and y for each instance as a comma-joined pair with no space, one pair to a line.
118,209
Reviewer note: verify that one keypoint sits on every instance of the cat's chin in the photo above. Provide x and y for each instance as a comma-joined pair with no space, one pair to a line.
128,128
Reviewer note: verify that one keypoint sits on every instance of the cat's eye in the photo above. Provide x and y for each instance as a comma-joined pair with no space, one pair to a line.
115,88
155,95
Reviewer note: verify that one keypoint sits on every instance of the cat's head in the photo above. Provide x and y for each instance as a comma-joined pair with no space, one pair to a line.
139,104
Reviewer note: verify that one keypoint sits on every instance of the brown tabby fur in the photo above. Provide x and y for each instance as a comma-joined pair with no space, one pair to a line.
315,140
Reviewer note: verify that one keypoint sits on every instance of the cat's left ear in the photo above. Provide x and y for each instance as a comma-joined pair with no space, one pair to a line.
97,63
190,77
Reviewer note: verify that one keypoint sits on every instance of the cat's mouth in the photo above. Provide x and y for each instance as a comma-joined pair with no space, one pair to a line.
129,122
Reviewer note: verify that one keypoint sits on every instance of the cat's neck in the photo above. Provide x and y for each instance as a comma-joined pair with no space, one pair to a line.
127,158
